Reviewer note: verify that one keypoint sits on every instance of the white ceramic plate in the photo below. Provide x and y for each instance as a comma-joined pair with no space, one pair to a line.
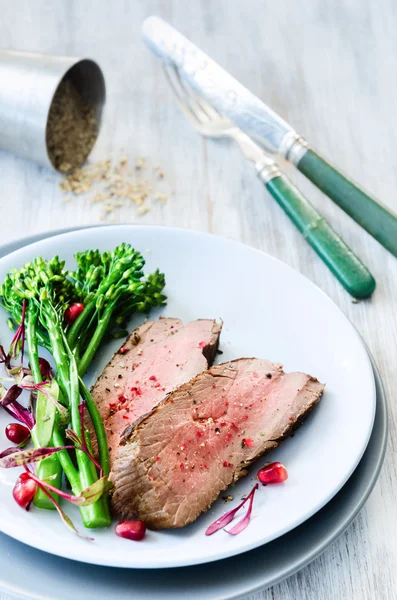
269,311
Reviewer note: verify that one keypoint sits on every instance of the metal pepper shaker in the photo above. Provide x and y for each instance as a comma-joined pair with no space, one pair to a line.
28,83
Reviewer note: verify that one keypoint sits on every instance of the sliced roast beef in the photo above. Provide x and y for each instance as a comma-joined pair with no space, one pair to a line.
172,465
155,359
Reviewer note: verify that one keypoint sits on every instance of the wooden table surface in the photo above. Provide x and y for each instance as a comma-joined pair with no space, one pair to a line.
329,69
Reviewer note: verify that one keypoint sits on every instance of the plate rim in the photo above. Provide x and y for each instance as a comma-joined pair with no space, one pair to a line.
253,544
380,434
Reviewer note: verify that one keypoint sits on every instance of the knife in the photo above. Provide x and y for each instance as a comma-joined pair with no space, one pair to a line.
269,130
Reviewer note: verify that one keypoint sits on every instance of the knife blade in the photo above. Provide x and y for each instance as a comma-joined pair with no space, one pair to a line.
220,88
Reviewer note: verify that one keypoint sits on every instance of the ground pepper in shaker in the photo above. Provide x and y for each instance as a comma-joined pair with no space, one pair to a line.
72,128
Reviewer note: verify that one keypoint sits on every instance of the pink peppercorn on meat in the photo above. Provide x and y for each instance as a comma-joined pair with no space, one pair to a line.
204,436
157,357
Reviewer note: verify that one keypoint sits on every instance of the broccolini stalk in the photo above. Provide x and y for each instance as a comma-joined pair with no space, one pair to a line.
114,287
44,285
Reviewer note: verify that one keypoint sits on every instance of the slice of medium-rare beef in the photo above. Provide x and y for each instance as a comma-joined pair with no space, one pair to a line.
156,358
204,436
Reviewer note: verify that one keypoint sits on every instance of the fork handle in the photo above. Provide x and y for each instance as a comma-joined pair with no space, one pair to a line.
373,216
333,251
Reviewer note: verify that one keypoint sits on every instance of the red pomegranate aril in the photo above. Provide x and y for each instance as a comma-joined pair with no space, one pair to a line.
17,433
24,491
273,473
131,530
72,312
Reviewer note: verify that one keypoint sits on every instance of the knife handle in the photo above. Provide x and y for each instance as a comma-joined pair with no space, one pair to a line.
338,257
373,216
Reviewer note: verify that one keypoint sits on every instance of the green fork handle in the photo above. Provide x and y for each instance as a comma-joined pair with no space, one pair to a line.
373,216
338,257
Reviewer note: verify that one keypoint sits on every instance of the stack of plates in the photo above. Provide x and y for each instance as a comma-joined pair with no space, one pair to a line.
333,460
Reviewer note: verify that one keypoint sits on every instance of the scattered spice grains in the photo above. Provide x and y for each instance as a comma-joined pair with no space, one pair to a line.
72,128
114,185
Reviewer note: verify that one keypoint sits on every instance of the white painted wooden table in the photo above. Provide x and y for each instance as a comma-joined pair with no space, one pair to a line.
329,69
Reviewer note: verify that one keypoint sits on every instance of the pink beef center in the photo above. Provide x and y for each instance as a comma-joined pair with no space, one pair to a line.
162,367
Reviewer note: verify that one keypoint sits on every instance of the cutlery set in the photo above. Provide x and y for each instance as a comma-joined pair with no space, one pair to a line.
217,105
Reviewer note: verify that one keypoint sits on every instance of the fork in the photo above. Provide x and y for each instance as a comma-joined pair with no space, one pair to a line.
333,251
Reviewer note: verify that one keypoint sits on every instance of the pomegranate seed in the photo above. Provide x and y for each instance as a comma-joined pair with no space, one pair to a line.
24,491
123,398
123,350
202,344
131,530
72,312
17,433
273,473
153,378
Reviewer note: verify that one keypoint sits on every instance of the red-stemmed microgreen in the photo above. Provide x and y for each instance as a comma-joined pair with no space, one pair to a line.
9,401
17,345
229,516
82,407
241,525
84,442
88,496
72,435
19,457
65,518
27,383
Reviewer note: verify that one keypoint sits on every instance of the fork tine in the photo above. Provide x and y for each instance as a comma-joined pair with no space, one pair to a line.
191,100
202,108
189,114
210,110
206,119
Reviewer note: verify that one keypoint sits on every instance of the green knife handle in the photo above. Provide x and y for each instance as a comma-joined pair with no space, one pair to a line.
338,257
373,216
